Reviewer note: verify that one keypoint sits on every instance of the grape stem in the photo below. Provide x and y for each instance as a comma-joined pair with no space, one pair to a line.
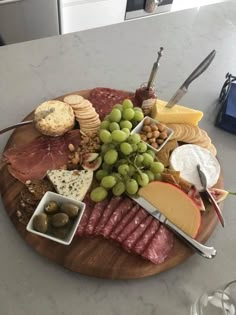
134,165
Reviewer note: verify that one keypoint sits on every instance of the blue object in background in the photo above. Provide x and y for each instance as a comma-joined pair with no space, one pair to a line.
226,118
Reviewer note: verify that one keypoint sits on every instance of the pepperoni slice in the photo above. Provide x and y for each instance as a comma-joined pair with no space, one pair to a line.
87,212
114,202
132,225
160,246
104,98
117,216
131,240
125,220
146,237
95,216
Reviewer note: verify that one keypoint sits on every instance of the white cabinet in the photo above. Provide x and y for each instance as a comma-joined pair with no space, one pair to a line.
78,15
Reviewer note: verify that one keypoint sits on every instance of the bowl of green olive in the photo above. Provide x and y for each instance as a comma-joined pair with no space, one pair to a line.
56,217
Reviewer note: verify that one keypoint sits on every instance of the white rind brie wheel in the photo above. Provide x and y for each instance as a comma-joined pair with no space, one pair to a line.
185,159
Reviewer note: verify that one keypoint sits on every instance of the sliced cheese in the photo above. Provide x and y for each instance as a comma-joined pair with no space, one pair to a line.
185,159
175,115
73,184
174,204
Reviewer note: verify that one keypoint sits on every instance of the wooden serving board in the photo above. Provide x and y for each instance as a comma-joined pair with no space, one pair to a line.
94,257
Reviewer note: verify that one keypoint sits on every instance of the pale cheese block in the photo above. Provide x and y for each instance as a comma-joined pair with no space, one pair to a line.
174,204
175,115
185,159
54,118
73,184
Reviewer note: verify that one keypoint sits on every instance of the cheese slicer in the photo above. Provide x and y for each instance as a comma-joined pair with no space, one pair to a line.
203,181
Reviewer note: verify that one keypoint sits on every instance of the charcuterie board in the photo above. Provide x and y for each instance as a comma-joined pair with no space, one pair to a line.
93,256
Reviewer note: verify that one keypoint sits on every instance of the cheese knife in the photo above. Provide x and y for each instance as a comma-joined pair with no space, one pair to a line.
38,117
205,251
203,181
196,73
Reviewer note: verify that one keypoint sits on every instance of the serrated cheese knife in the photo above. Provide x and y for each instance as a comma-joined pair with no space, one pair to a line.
196,73
205,251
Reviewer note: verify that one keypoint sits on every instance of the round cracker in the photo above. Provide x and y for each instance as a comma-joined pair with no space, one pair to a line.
78,107
73,99
82,105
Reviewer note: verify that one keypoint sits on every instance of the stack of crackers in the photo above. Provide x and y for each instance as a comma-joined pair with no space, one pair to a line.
192,134
85,114
187,134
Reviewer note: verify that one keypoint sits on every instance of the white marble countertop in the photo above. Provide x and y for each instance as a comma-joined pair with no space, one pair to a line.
119,56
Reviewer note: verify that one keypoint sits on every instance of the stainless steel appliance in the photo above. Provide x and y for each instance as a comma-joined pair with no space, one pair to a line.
143,8
23,20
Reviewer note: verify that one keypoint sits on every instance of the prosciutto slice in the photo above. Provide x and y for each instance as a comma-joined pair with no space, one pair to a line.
32,160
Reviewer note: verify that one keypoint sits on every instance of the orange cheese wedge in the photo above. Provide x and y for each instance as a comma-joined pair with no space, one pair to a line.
174,204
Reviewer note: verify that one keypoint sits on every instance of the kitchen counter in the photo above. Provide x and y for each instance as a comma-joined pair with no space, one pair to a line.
120,56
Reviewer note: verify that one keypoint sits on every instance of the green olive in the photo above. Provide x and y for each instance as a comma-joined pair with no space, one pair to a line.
70,209
60,232
40,223
60,220
51,207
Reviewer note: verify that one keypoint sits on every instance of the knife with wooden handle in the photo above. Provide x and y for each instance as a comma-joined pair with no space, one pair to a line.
204,251
196,73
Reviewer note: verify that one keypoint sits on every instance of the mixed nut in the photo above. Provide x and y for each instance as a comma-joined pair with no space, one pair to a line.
87,146
154,133
56,219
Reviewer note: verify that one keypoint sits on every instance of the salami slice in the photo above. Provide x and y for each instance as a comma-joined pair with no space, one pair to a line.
125,220
117,216
160,246
114,202
104,98
132,225
87,212
130,241
95,216
144,240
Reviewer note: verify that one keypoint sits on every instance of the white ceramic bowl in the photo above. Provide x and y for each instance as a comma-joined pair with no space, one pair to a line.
51,196
139,127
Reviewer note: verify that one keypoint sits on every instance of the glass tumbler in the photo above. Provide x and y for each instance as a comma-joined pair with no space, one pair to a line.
221,301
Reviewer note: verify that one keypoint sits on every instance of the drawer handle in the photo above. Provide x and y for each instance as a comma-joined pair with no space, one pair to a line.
81,2
8,1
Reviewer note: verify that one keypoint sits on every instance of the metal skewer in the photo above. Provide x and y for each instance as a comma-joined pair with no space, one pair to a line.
155,68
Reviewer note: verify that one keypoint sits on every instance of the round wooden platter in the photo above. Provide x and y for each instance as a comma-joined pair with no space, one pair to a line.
96,256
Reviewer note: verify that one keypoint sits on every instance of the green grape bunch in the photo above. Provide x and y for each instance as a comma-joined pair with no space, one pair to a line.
128,163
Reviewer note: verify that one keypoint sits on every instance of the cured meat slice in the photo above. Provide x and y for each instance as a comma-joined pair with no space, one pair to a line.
144,240
132,225
125,220
160,246
114,202
95,216
32,160
117,216
130,241
86,215
104,98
